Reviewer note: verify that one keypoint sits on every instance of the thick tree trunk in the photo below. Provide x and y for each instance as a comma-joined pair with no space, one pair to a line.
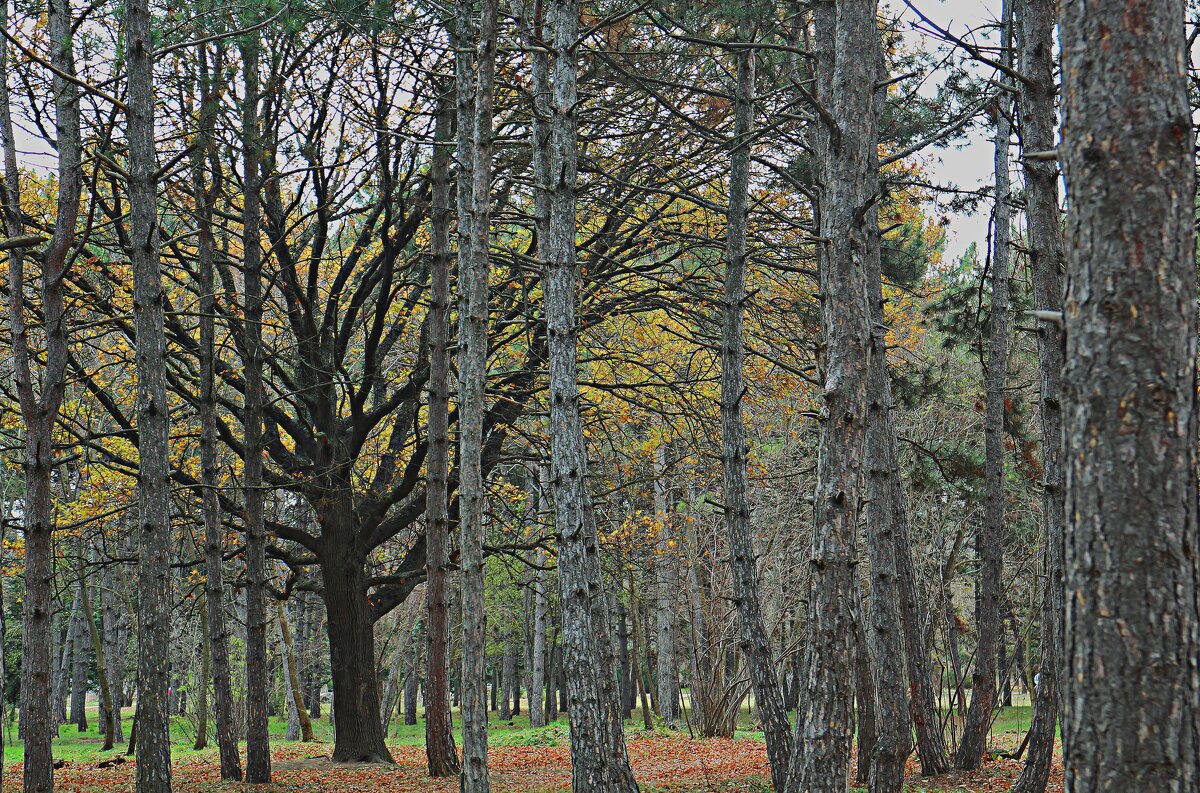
258,748
153,416
358,733
475,63
847,77
743,563
1131,628
1038,117
39,410
440,752
599,760
989,541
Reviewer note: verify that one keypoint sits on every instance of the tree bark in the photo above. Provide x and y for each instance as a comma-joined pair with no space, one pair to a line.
153,412
846,147
80,643
206,192
475,63
106,703
440,752
743,563
989,541
599,760
258,748
666,583
39,409
1131,591
205,650
1038,120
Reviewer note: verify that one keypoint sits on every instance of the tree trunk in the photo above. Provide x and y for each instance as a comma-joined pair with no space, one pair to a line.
666,583
293,678
358,733
440,752
537,660
1038,117
412,677
639,673
599,760
115,620
205,651
865,709
507,672
258,748
1131,626
475,62
153,413
743,562
989,541
80,642
39,410
848,73
106,705
205,193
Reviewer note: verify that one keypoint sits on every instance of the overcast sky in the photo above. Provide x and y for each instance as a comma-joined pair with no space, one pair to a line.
971,165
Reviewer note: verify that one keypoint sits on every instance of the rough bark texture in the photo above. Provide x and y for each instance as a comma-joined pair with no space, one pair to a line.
1131,695
849,189
1038,120
214,581
258,749
39,409
990,537
743,563
440,753
205,649
153,417
474,76
886,521
538,677
599,760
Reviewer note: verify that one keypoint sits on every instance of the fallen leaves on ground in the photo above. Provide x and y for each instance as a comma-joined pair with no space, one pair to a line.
663,764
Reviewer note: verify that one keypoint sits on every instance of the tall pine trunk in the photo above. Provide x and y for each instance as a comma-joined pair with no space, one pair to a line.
846,145
743,563
39,408
1130,696
206,190
475,64
599,760
258,749
989,540
440,753
1038,116
666,583
153,416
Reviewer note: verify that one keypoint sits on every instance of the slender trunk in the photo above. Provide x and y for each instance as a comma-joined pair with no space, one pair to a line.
153,416
106,705
640,673
205,650
80,642
599,760
1131,627
475,64
507,671
666,583
115,621
847,79
1038,115
440,752
258,749
205,190
537,660
293,676
411,679
39,410
755,643
989,541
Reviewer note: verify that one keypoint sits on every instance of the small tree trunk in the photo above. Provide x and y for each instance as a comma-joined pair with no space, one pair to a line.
205,650
293,677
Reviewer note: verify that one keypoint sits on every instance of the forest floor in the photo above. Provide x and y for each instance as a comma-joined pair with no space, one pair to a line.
521,760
